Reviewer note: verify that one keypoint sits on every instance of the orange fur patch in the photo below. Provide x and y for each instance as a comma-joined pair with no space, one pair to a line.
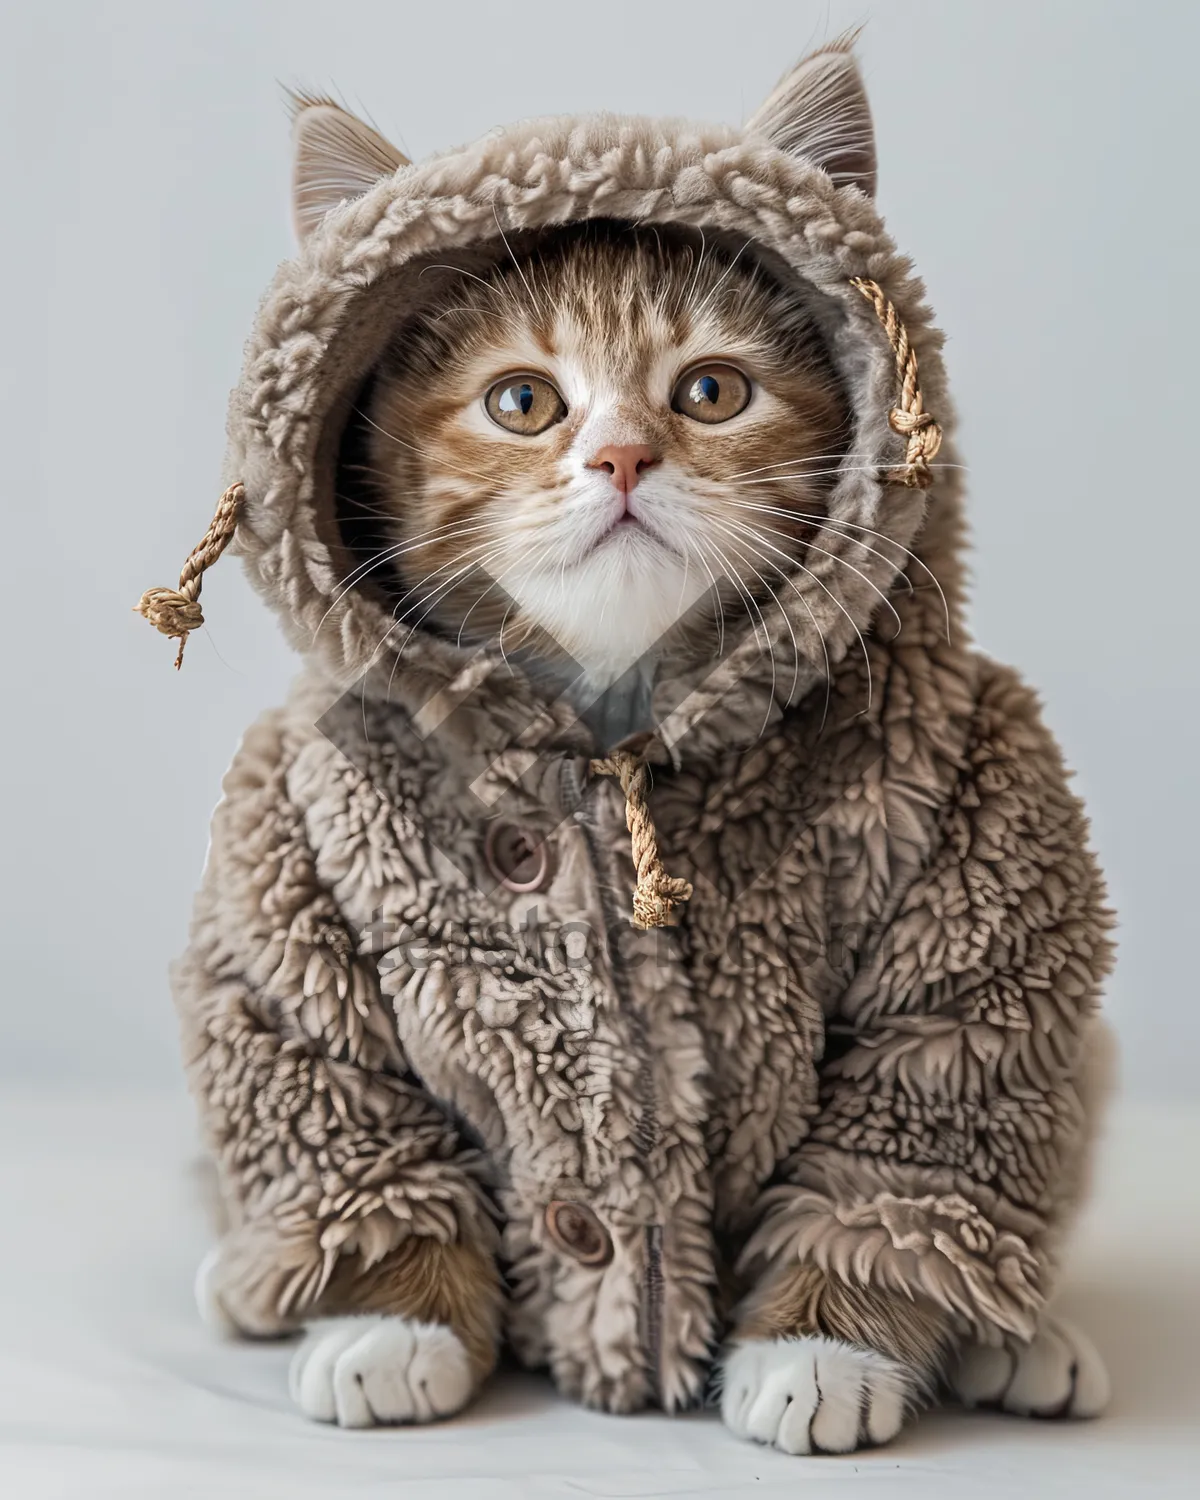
457,1285
797,1300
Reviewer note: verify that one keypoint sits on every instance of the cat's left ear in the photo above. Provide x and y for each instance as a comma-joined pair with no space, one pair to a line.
335,157
819,111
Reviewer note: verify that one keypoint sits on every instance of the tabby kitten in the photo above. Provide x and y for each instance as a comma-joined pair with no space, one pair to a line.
571,451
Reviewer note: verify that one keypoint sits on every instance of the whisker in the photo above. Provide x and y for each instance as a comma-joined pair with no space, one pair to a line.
520,272
433,597
841,469
389,554
464,570
720,282
717,595
853,623
786,575
817,524
828,521
783,463
489,480
749,600
795,647
812,547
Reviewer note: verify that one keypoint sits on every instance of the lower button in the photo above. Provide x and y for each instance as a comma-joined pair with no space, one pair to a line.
577,1231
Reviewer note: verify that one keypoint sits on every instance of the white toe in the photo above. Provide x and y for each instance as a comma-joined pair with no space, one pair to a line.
768,1404
1092,1388
440,1374
310,1377
806,1395
845,1397
1042,1380
982,1375
794,1434
374,1370
1059,1373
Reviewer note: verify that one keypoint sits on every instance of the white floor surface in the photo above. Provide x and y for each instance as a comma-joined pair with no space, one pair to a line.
109,1386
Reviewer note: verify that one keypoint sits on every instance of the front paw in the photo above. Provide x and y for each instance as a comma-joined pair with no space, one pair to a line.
376,1369
1059,1373
814,1394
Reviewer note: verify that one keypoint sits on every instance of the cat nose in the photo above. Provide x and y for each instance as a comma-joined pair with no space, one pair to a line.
624,465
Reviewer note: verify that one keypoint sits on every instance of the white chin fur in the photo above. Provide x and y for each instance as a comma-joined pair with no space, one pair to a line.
608,611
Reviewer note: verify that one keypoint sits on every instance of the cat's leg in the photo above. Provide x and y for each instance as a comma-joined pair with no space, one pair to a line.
1058,1373
358,1212
815,1366
358,1217
408,1340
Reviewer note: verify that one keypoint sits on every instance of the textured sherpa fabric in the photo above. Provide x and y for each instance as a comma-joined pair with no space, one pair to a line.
868,1044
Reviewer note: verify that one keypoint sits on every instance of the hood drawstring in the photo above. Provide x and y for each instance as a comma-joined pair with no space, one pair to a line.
656,894
177,612
908,419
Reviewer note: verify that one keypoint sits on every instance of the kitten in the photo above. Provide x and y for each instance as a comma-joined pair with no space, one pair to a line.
595,455
571,452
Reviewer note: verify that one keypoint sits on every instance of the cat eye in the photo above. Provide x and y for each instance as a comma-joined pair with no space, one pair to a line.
711,393
524,403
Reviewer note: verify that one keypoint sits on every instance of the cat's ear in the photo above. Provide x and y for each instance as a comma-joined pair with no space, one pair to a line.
819,111
335,157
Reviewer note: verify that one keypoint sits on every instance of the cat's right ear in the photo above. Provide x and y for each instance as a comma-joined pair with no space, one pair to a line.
819,111
335,157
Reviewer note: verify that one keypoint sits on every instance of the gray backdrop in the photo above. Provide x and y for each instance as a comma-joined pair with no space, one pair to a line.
1038,162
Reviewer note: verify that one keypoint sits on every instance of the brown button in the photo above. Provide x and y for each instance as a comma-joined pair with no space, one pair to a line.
575,1228
518,860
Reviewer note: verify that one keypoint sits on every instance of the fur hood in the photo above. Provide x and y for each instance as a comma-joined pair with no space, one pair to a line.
327,314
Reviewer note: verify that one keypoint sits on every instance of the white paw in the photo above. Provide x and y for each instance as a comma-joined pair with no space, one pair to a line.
813,1395
372,1370
1058,1374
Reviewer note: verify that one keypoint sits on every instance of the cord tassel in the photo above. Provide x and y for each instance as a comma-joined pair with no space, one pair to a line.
909,419
176,612
656,893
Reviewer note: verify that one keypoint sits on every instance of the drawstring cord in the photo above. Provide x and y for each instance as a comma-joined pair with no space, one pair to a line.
656,893
177,612
908,418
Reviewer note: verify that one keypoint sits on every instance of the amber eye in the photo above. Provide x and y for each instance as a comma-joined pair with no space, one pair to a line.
524,403
711,393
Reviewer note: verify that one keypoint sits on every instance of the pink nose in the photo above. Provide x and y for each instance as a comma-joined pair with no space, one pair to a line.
624,465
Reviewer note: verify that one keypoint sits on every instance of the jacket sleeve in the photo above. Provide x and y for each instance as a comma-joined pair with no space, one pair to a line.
949,1148
325,1145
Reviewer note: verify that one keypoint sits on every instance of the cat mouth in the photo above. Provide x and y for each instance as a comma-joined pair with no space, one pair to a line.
628,533
627,530
628,522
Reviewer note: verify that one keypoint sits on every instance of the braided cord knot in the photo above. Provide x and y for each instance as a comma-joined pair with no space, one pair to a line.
656,893
176,612
908,418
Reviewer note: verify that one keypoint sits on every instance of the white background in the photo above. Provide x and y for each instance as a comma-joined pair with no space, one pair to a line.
1037,160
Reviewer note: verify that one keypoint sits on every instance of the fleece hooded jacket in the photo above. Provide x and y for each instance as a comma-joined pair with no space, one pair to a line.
413,1002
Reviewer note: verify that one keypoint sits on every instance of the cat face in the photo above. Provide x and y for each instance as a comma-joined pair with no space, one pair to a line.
570,452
